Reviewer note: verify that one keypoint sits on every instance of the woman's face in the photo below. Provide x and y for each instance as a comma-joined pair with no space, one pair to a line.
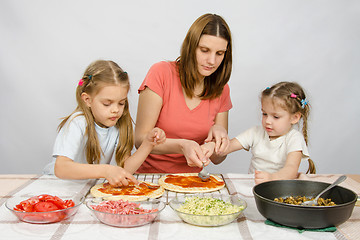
209,54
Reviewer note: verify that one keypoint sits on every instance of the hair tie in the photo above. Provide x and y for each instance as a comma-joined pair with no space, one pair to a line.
90,76
267,88
81,82
304,102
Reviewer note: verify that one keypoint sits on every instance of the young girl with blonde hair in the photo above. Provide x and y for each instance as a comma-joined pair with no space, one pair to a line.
100,129
277,147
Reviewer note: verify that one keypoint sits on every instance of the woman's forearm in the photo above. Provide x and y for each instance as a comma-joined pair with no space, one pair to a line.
170,146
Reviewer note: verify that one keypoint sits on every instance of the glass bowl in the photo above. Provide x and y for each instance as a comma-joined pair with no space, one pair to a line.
206,219
128,220
42,217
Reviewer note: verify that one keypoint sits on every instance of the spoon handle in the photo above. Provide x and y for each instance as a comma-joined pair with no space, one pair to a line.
338,181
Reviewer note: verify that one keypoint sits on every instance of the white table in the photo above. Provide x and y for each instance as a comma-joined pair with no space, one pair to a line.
250,225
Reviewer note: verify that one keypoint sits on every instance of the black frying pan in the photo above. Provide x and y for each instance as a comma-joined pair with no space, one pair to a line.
303,216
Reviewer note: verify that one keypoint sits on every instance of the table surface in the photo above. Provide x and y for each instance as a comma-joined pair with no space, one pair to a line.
250,225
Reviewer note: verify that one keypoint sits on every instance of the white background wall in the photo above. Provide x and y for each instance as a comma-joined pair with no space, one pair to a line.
46,45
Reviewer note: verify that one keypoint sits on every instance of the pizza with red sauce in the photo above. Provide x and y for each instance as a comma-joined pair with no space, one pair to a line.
130,192
190,183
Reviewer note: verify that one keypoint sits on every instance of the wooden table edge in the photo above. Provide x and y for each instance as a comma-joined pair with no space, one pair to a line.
355,177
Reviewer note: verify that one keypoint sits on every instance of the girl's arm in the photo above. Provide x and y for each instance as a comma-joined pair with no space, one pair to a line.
233,146
66,168
149,107
155,137
289,171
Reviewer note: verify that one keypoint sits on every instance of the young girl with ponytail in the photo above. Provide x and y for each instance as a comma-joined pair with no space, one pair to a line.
277,147
100,130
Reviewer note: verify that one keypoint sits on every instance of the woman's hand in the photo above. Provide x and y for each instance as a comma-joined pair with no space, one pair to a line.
218,134
117,176
194,154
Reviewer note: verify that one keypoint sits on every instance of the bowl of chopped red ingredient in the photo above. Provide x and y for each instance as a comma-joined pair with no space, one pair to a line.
43,208
123,213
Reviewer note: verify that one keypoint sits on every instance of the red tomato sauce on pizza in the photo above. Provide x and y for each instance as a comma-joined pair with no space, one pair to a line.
192,181
141,189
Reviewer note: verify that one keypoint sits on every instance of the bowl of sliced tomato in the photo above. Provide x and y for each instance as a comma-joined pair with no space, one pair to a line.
43,208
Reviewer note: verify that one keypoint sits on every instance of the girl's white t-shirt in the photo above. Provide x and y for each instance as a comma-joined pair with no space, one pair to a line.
71,142
270,155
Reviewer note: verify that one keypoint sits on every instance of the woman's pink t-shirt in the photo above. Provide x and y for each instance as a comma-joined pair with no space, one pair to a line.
176,119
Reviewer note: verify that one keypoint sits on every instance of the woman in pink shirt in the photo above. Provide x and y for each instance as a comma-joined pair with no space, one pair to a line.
189,99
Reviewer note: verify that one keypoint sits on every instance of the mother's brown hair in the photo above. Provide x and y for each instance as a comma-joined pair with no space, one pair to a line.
214,25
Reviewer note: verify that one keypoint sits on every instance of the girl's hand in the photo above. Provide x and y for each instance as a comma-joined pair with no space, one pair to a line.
194,154
156,136
261,177
117,176
219,134
208,149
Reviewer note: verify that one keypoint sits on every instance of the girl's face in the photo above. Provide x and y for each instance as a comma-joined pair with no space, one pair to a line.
209,54
107,105
276,120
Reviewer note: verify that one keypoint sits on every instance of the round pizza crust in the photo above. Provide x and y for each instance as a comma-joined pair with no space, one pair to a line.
155,194
175,188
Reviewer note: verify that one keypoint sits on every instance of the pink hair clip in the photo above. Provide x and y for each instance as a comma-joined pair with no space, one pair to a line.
293,95
81,82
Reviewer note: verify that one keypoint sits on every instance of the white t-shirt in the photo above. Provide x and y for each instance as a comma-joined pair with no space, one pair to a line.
71,142
270,155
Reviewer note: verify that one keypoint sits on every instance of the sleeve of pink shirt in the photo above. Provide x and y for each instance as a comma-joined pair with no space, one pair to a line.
155,78
225,99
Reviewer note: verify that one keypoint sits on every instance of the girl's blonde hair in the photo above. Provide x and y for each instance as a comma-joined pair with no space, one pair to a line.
293,100
97,75
214,25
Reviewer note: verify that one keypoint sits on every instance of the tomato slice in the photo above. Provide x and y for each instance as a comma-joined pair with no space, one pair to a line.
69,203
45,207
57,201
26,206
44,197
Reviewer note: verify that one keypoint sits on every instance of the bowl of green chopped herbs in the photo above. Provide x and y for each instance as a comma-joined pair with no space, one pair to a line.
208,210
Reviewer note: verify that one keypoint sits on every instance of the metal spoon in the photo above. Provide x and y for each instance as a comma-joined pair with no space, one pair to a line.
203,174
315,201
